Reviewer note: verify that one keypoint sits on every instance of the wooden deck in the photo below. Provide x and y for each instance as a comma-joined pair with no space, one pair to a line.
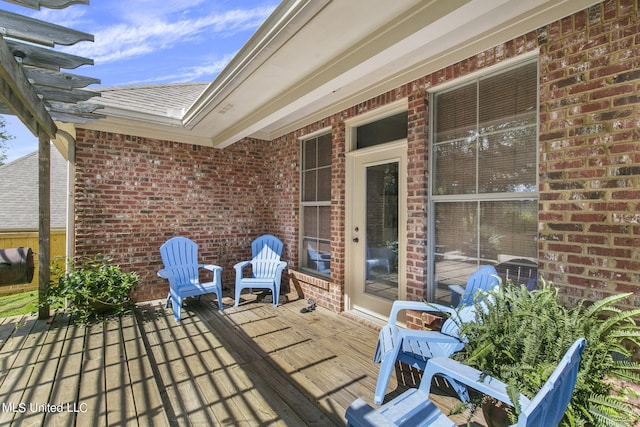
254,365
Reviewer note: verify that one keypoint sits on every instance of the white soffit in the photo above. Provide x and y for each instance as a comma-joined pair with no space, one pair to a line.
350,51
313,58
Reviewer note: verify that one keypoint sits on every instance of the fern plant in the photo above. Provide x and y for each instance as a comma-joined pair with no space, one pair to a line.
523,334
91,287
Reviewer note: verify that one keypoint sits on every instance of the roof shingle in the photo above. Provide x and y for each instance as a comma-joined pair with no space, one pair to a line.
19,193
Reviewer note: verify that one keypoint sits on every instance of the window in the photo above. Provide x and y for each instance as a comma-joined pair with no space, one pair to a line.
316,205
484,181
387,129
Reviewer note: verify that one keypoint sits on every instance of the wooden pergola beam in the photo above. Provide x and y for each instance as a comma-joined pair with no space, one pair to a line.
17,93
36,31
51,4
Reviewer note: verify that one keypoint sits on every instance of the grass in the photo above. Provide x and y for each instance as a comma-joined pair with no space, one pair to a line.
17,304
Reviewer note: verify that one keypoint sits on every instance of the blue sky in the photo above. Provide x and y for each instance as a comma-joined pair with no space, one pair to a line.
149,42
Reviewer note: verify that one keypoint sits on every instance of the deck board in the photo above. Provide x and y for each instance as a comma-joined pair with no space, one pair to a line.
254,365
92,380
22,350
147,399
41,380
65,388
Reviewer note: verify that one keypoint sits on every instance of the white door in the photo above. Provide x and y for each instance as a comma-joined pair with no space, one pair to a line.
376,234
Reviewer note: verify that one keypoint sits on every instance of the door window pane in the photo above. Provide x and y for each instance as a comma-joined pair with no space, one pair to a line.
381,263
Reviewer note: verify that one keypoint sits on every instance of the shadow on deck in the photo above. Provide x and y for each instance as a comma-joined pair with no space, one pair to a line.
254,365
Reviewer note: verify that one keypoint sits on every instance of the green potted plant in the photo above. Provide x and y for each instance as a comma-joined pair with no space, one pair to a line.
91,287
520,336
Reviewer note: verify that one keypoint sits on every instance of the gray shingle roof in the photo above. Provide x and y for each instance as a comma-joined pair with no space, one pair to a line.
166,100
19,192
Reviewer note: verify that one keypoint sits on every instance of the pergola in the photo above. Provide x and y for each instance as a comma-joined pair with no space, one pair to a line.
33,87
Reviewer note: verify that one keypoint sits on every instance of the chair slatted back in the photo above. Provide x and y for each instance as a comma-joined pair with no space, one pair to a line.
483,279
265,253
180,255
548,406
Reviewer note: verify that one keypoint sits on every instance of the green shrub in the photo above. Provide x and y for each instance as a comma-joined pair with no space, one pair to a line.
523,335
91,287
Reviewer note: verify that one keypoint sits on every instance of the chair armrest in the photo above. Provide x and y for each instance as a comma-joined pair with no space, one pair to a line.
417,306
359,413
165,273
211,267
216,270
469,376
241,265
430,337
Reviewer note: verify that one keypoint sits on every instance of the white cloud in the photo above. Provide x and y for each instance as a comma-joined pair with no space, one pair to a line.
140,11
122,41
71,17
206,70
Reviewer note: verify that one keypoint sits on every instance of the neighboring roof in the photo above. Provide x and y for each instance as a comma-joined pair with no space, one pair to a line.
311,59
19,193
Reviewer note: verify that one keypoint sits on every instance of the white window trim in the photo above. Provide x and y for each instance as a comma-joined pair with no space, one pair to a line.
301,235
365,118
518,61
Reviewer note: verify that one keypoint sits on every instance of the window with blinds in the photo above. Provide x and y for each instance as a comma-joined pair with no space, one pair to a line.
316,205
484,181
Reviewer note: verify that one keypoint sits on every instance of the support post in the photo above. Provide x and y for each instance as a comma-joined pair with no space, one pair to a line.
44,219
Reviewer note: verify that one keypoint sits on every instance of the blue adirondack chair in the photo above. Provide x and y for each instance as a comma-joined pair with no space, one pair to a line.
180,258
377,257
266,268
413,407
322,261
464,296
416,347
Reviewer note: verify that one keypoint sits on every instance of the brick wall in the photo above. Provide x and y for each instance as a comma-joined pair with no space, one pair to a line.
132,194
417,189
589,151
589,173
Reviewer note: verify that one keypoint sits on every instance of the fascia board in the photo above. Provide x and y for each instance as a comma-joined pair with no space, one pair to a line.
126,126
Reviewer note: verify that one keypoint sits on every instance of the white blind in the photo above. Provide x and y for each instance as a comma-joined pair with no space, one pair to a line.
485,135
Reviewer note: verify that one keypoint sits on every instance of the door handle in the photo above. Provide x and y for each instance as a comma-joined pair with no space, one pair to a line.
356,240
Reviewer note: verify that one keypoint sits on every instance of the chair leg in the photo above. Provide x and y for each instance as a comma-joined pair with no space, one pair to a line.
219,295
168,300
177,307
387,350
460,389
276,296
237,293
386,368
